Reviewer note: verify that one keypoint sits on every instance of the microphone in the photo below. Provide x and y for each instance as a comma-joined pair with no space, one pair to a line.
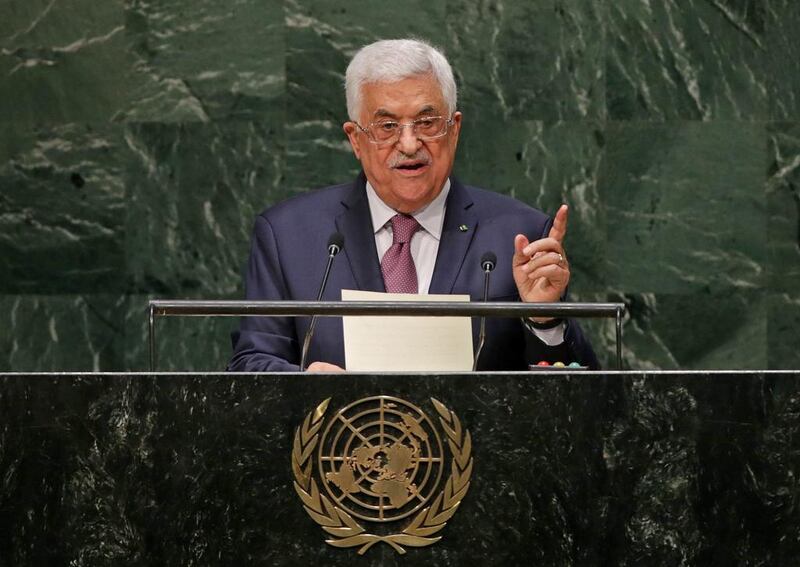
488,262
335,245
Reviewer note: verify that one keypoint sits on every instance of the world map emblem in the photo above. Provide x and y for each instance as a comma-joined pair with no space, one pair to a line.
380,462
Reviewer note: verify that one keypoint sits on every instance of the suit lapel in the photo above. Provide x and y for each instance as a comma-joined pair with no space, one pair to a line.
355,224
455,240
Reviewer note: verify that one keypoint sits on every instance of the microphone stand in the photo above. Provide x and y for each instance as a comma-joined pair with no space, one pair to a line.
333,250
487,263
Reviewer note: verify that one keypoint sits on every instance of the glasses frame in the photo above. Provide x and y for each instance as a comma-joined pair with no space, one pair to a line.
447,123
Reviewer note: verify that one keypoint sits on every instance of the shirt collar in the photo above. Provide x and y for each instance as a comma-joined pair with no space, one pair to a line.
430,217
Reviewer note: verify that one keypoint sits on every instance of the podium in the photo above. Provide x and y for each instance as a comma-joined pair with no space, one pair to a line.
605,468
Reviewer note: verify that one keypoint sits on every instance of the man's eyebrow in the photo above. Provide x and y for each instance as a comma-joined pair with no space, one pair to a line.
383,113
427,109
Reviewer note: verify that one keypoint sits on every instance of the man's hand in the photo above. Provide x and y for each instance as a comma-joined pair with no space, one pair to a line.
323,367
540,268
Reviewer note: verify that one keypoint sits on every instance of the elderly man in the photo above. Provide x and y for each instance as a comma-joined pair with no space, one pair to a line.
408,226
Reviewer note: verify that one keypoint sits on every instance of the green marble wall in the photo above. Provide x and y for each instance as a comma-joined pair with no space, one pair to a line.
139,139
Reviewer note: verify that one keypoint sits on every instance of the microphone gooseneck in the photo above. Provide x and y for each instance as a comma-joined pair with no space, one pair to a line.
335,245
488,263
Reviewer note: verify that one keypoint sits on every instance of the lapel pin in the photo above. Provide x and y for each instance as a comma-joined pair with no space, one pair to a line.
463,228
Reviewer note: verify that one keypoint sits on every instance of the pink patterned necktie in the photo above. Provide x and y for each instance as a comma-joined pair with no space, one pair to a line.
397,265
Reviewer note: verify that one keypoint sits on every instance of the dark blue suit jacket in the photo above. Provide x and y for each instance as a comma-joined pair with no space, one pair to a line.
289,253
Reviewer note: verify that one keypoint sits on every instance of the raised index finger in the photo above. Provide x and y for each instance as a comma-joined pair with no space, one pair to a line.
559,228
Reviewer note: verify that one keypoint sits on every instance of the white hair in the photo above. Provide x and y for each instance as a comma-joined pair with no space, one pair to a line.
391,61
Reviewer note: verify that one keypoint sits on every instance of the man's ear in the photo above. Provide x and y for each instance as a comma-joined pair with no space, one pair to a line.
351,130
456,127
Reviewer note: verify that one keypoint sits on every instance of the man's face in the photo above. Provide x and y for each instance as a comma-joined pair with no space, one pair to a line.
410,173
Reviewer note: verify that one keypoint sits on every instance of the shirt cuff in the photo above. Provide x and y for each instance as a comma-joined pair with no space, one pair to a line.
550,337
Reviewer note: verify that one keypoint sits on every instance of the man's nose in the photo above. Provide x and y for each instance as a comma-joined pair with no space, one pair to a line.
408,142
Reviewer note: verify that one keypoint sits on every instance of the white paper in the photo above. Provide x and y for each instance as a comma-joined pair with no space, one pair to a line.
399,344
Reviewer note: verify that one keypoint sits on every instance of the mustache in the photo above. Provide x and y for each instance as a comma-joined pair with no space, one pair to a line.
421,156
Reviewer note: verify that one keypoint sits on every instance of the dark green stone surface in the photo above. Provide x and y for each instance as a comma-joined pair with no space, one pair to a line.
783,200
64,61
529,60
206,60
62,209
181,342
69,332
139,139
783,312
686,206
690,60
592,469
193,193
784,59
695,330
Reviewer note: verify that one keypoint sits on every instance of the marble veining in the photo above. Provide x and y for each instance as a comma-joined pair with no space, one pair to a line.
592,469
140,138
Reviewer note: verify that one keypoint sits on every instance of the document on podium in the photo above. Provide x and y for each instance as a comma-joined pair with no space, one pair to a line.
399,344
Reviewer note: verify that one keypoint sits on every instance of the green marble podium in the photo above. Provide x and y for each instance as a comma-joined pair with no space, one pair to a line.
569,469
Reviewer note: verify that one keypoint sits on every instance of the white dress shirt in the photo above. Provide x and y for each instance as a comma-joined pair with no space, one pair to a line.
425,244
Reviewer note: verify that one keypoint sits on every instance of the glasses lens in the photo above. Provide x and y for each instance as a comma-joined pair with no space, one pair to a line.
384,130
430,127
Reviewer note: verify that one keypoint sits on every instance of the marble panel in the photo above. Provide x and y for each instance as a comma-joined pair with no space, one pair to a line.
783,64
206,60
81,429
318,155
686,206
544,165
783,201
783,321
193,193
47,333
688,59
703,331
183,344
62,209
64,61
696,331
589,469
653,457
529,60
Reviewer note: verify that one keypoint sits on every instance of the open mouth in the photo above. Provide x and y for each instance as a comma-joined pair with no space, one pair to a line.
413,166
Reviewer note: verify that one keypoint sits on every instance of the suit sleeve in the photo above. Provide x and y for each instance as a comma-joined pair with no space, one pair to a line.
265,344
575,348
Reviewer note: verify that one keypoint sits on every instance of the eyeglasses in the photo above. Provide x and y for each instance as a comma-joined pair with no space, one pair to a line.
384,132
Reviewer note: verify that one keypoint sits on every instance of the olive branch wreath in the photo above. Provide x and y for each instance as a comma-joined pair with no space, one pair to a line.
346,531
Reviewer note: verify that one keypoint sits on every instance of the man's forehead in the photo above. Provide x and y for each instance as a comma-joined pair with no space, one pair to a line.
412,96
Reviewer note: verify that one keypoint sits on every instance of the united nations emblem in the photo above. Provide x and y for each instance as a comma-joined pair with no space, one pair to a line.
381,460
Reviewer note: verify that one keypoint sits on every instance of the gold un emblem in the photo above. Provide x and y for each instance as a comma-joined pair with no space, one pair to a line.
380,460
